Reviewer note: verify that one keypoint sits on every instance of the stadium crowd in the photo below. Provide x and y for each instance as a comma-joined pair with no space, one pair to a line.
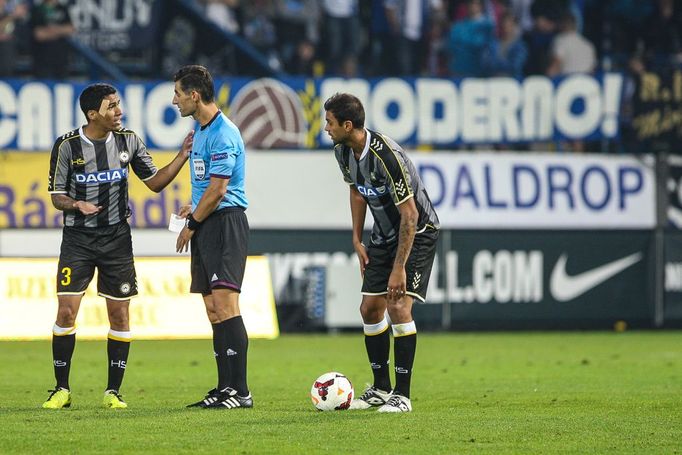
448,38
377,38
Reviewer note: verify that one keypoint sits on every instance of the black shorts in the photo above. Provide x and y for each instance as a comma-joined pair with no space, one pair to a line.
109,249
219,248
417,268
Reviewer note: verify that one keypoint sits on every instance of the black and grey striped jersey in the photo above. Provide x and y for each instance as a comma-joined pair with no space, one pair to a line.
386,178
97,172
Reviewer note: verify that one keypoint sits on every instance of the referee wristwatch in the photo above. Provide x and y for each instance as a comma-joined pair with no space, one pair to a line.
192,224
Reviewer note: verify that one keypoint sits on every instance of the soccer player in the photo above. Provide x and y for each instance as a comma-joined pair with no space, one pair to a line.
218,231
88,181
397,262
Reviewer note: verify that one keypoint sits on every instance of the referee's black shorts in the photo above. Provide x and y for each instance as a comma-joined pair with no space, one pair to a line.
109,249
219,248
417,268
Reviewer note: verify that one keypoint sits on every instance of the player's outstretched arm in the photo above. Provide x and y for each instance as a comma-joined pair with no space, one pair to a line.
166,174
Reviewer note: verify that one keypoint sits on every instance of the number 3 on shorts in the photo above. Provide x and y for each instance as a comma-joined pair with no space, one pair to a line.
66,272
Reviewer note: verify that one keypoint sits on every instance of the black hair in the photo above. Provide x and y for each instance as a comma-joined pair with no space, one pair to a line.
92,96
345,106
196,77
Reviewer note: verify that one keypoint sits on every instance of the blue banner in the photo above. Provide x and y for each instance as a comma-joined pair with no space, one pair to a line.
288,113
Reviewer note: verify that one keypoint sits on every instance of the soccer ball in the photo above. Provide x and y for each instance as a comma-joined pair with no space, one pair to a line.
332,392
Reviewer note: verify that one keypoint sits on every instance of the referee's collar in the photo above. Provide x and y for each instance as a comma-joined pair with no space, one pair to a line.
203,127
109,137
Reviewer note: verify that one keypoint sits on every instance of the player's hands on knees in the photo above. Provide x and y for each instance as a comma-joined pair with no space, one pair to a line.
185,210
361,251
87,208
397,284
182,244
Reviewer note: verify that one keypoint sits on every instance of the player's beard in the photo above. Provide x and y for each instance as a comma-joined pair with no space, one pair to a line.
338,140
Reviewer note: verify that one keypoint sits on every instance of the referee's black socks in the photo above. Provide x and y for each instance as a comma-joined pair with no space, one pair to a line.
219,351
235,348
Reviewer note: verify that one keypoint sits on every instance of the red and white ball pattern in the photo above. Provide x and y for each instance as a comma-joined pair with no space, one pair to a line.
332,392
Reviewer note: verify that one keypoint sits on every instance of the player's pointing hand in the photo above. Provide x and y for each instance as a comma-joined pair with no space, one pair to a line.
186,148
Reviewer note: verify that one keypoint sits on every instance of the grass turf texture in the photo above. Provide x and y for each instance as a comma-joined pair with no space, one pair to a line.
474,392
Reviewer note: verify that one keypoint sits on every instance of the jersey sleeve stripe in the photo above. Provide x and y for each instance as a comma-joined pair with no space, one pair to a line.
384,164
400,164
59,154
409,189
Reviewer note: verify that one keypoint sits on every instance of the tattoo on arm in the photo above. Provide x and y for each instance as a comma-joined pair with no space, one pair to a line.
63,202
406,235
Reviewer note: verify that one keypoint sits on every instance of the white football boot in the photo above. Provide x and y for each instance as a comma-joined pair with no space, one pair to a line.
396,403
371,397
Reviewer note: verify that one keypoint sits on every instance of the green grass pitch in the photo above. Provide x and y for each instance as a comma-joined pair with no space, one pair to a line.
517,393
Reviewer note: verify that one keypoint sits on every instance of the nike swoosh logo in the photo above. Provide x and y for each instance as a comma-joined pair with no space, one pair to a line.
564,287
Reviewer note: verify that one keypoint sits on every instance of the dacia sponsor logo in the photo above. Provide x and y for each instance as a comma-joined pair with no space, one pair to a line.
219,156
371,192
110,176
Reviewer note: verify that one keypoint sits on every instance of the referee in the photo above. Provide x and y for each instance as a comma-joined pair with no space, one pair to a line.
88,181
218,230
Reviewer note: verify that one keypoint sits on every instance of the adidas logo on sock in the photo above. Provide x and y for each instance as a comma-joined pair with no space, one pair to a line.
231,352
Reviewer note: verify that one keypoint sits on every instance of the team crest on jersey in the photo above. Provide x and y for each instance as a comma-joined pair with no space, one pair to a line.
123,156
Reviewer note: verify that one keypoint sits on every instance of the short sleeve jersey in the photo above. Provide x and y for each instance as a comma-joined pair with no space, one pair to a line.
386,177
97,172
218,151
